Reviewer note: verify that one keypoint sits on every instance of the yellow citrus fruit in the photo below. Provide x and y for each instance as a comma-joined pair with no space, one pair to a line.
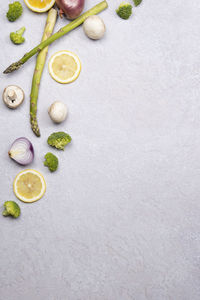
39,6
64,66
29,185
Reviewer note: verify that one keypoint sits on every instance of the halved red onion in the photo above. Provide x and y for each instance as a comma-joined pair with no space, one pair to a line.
71,8
22,151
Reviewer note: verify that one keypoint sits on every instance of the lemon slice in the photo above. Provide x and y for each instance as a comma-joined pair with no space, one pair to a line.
29,186
39,6
64,66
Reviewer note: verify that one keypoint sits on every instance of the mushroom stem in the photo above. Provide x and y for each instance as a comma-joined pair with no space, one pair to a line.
11,94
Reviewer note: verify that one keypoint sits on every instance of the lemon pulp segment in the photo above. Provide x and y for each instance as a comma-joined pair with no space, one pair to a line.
64,66
39,5
29,185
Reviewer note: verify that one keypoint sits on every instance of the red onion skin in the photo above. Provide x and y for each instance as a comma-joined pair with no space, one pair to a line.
71,8
29,148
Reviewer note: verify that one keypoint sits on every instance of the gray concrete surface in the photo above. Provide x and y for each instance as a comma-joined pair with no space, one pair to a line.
120,218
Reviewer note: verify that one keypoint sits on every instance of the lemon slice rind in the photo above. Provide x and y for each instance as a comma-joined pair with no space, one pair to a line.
34,199
57,78
37,9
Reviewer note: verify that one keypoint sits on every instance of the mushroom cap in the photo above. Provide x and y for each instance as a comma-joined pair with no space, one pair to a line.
13,96
94,27
58,111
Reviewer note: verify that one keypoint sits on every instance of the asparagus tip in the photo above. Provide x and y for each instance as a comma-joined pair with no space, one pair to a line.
34,126
13,67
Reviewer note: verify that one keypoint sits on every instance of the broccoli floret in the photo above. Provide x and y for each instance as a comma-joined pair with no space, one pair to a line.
15,11
51,162
59,140
16,37
137,2
12,209
124,11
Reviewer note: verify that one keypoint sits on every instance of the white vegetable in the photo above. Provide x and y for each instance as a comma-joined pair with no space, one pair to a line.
57,112
13,96
94,27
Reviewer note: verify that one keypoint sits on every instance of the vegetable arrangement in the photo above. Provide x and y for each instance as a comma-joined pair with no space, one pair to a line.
64,66
64,30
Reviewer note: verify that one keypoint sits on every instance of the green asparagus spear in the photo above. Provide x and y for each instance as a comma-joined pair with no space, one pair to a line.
40,62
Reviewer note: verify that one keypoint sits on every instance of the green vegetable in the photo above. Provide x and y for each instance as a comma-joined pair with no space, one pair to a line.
137,2
51,162
16,37
124,11
39,66
15,11
59,140
12,209
64,30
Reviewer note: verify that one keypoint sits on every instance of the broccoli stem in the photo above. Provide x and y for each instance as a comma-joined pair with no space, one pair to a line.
40,62
21,31
64,30
5,213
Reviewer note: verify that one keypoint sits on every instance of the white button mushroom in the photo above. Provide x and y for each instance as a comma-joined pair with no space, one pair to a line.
94,27
13,96
57,112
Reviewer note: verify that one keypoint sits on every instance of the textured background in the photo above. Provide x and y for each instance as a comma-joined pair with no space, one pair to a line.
120,218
